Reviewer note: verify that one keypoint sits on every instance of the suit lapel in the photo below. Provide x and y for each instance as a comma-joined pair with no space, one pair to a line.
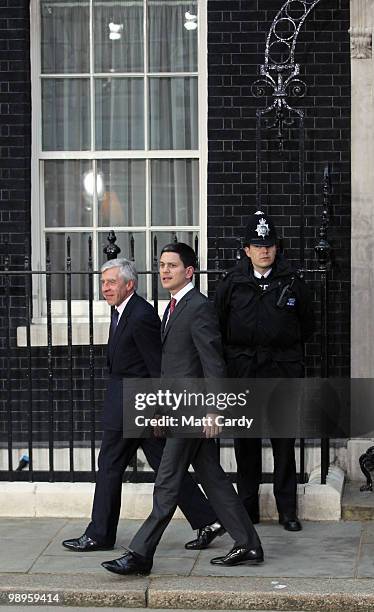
121,325
177,312
164,319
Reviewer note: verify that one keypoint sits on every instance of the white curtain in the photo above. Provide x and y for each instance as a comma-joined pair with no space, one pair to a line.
124,54
172,48
175,192
65,36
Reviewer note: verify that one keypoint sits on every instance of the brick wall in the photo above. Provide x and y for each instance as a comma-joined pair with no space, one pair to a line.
237,32
15,129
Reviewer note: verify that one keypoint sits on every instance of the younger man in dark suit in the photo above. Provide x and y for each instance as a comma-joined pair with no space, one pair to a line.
134,350
191,348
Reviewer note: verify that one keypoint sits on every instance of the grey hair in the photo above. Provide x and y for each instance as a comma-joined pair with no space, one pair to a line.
127,269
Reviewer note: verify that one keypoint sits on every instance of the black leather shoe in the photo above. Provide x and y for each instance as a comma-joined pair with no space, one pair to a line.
290,523
84,544
240,555
205,536
129,564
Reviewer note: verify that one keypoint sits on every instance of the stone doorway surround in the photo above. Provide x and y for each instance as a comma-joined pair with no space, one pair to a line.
362,203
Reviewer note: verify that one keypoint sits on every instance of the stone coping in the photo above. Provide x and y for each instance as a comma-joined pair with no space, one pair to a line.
197,593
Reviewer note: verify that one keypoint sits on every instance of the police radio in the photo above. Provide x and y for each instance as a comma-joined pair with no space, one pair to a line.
286,294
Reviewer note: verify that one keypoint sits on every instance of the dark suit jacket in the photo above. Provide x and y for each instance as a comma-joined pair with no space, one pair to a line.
191,341
133,352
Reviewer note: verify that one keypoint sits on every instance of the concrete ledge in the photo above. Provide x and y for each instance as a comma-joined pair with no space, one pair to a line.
74,500
80,589
322,502
198,593
261,594
70,500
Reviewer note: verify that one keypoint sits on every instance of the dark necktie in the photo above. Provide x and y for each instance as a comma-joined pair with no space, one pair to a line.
173,303
113,322
168,312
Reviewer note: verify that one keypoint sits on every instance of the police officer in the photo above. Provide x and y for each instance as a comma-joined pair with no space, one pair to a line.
266,315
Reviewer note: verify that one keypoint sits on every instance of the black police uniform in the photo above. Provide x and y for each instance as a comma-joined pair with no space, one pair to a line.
264,339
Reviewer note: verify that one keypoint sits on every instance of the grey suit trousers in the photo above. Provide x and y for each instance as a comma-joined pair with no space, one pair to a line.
177,456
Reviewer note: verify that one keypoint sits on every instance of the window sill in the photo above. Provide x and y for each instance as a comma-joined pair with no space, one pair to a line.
80,333
80,330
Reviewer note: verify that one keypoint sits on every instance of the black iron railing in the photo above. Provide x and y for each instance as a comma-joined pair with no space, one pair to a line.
27,436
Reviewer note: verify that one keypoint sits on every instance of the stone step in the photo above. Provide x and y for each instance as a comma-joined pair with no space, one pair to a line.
357,505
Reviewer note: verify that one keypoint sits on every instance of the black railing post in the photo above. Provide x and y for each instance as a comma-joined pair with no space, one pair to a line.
28,288
70,357
323,252
197,275
50,362
91,356
155,274
8,362
132,247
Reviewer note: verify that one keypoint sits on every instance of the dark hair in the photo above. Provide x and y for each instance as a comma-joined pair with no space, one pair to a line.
185,252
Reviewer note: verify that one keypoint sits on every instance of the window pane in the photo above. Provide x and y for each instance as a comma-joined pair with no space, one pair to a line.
123,198
176,52
123,241
65,36
175,192
118,36
119,114
164,238
173,113
68,193
79,262
66,114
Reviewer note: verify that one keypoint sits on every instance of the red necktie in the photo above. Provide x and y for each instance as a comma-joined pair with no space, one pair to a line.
173,303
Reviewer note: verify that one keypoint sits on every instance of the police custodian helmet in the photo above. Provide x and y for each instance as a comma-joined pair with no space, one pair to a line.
260,230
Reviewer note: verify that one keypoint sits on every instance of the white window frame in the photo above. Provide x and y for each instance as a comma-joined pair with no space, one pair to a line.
79,307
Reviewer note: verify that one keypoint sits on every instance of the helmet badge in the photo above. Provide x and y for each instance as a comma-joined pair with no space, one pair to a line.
262,229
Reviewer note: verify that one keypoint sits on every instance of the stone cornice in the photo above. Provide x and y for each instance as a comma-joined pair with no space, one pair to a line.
361,29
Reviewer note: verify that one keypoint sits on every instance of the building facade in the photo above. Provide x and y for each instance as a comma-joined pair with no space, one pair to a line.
142,116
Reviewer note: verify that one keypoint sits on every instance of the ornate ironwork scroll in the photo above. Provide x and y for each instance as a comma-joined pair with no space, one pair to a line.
280,74
280,80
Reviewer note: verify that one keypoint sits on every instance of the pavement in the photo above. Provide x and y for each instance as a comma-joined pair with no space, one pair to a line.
327,566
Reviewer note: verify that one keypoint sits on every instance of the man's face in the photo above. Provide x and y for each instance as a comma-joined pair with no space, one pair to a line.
262,257
174,276
114,287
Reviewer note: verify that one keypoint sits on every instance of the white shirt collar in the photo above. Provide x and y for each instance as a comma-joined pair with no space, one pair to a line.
122,306
182,292
258,275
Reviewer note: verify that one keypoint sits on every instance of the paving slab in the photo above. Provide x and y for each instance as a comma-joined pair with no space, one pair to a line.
331,552
19,555
172,542
281,559
20,528
357,505
365,562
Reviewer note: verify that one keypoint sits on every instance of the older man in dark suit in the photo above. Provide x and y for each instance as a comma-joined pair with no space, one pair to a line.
191,348
134,351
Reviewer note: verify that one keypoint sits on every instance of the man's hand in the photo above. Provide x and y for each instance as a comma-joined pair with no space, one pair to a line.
212,430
